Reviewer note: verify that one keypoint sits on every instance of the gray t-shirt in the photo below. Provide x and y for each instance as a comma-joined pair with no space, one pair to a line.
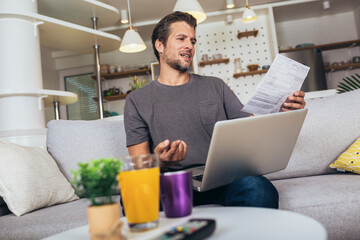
188,112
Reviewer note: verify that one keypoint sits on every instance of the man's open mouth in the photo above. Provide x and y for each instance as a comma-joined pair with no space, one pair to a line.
186,55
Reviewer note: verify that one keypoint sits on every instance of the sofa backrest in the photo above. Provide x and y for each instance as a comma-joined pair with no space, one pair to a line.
331,126
72,141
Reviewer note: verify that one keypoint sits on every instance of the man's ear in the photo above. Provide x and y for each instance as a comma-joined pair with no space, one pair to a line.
159,46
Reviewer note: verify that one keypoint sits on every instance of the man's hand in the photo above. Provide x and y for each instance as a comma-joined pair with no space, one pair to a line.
171,152
294,102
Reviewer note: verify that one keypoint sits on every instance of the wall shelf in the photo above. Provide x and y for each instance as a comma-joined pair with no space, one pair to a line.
325,47
342,67
247,34
49,96
216,61
243,74
112,98
59,34
123,74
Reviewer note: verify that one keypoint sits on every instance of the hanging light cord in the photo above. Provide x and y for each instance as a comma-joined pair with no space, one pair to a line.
128,2
247,4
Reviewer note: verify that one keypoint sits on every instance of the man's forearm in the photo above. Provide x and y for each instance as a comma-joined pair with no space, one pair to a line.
139,149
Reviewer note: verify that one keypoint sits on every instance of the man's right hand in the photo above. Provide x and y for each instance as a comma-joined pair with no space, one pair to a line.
171,152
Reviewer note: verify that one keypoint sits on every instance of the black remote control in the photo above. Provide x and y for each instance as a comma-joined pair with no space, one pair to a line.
194,229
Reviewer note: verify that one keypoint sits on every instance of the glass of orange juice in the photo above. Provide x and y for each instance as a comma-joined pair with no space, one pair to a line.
139,183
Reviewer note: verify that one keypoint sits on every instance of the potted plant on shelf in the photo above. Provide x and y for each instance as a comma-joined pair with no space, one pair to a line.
97,181
136,84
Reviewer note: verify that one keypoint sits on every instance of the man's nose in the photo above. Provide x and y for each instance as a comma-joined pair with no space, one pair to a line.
189,45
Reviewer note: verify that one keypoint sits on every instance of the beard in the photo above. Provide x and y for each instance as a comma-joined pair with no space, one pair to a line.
177,65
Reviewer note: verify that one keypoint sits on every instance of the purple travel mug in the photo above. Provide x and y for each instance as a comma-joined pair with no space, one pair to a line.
176,193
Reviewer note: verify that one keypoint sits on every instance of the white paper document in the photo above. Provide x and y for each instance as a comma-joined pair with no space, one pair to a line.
284,77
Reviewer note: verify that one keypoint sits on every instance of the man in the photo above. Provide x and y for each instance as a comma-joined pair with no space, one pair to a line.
174,115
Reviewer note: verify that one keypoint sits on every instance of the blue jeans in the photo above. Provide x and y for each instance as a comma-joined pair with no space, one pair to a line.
250,191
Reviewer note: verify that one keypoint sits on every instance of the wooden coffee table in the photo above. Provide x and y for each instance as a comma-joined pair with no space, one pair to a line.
231,223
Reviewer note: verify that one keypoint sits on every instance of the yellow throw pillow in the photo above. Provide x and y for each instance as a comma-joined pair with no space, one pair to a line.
349,160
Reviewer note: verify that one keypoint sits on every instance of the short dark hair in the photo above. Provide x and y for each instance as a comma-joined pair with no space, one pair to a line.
162,29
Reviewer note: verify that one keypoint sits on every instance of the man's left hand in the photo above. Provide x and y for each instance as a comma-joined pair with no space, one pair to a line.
294,102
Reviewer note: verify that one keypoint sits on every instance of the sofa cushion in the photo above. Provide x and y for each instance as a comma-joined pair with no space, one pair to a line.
30,179
44,222
349,160
72,141
332,199
331,126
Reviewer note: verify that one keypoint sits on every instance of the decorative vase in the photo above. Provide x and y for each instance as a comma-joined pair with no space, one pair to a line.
105,222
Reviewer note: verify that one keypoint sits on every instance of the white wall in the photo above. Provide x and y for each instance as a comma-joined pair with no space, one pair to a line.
113,58
357,20
322,30
319,30
221,38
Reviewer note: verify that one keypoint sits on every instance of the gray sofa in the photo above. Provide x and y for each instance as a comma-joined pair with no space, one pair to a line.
307,186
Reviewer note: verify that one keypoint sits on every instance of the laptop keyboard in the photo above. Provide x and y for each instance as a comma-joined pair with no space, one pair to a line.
198,177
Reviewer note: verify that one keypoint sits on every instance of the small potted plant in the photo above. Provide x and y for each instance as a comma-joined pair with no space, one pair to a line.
97,181
136,84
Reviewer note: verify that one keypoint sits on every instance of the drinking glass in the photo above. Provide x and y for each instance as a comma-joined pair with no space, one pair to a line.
139,183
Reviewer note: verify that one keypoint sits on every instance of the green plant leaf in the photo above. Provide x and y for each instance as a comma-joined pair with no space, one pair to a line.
346,79
354,83
97,180
344,87
357,80
349,84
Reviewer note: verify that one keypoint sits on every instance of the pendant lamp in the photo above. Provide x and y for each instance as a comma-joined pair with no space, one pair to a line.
249,14
124,16
192,7
230,4
132,41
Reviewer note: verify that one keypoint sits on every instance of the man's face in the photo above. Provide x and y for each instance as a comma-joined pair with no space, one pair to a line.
179,50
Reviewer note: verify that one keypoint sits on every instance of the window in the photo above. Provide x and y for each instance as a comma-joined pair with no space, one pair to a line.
86,108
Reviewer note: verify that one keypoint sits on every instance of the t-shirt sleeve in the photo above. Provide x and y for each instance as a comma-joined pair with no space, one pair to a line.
137,130
232,104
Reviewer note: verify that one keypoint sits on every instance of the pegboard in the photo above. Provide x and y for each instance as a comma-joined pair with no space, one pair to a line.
218,37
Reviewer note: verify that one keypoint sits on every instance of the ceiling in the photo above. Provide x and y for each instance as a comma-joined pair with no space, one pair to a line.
146,13
143,11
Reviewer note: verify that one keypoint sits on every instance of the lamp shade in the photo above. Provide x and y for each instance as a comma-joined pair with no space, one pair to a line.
249,15
132,42
192,7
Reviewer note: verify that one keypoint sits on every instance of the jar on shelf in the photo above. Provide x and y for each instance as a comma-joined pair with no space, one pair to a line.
118,68
104,68
112,69
237,65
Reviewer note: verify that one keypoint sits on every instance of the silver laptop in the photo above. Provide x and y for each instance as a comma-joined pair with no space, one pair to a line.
248,147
